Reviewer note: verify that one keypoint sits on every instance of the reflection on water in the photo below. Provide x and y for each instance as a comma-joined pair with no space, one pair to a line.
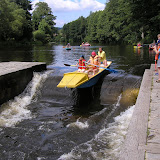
125,57
71,123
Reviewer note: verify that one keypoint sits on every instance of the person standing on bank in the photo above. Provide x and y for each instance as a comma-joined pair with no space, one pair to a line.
102,56
158,63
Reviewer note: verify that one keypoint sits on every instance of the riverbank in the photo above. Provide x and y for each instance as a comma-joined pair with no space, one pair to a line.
143,137
14,77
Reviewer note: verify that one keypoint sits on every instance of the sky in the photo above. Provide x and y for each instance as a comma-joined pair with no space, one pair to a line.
70,10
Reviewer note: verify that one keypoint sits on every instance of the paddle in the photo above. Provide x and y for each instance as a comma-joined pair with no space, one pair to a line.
69,65
73,65
108,69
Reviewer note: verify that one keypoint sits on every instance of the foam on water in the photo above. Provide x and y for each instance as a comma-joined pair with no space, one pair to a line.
107,144
79,124
16,110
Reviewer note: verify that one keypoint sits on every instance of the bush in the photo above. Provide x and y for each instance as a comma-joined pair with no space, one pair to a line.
40,36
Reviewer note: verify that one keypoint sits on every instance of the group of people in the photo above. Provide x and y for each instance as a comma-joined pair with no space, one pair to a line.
85,44
94,62
157,56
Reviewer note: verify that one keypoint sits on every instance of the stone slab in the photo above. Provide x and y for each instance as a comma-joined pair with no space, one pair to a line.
152,156
14,77
153,140
132,148
10,67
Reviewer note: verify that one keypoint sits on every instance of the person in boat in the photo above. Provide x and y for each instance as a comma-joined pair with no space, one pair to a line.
87,44
151,46
102,56
68,45
81,64
82,43
94,62
138,44
158,63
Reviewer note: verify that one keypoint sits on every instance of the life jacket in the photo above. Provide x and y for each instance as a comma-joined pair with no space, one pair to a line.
94,61
81,63
157,55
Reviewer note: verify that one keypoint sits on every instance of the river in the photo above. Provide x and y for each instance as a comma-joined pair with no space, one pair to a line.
50,123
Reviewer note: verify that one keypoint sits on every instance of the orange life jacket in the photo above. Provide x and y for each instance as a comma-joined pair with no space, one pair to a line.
94,61
81,63
157,55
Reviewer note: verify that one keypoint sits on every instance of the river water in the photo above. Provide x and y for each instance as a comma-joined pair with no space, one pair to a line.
50,123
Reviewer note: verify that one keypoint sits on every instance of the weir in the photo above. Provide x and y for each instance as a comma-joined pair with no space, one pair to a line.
142,141
14,77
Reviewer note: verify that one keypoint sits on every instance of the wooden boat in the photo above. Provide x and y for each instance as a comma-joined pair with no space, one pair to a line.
68,48
81,80
137,47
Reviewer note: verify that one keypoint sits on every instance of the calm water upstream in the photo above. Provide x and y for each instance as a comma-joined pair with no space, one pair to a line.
49,123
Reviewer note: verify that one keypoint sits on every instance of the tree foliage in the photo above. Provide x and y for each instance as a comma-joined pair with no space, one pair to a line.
122,21
76,30
43,21
11,24
42,12
16,21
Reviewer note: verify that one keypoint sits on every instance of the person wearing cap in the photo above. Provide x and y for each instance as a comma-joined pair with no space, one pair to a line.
102,56
81,63
158,63
94,61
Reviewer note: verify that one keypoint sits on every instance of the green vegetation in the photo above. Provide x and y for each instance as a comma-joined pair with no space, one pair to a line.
43,22
17,25
122,21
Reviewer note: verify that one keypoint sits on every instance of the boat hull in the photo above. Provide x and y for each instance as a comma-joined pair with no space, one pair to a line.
93,80
80,79
68,48
85,45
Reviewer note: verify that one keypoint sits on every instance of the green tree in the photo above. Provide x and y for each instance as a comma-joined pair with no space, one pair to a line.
11,24
122,21
43,21
27,26
146,13
42,11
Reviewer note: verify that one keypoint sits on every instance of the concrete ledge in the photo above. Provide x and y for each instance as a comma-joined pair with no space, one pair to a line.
135,141
14,77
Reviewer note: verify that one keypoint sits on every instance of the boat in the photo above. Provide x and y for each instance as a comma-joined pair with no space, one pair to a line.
137,47
80,79
85,44
68,48
151,48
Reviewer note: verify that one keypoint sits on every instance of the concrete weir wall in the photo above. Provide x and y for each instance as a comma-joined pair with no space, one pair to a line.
136,138
14,77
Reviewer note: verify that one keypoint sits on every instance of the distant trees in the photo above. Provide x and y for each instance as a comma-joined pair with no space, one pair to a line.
122,21
76,30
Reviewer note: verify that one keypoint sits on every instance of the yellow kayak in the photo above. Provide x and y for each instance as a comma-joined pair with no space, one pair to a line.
137,47
80,79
